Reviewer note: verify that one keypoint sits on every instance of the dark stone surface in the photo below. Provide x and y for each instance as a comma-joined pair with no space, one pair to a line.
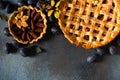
60,61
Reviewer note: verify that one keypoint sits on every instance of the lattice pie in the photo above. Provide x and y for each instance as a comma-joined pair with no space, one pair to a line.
27,25
90,23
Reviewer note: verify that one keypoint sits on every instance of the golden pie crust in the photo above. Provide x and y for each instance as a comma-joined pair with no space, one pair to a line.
20,21
90,23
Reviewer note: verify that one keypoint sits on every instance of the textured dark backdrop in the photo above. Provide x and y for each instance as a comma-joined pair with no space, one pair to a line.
61,61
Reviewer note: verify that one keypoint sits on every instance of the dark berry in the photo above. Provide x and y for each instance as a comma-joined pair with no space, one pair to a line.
48,1
22,2
18,45
38,5
112,49
9,48
15,43
118,41
30,51
6,32
91,58
4,0
16,7
10,8
3,5
100,51
31,2
55,30
45,10
52,19
24,52
42,1
25,2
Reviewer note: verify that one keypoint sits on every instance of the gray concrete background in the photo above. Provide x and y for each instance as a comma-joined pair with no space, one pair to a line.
61,61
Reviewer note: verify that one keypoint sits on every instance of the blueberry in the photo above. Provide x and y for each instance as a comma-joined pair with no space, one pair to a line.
24,52
100,51
92,58
15,43
31,2
4,0
10,8
48,1
42,1
9,48
38,5
6,31
55,30
18,45
16,7
52,19
22,2
45,10
3,5
112,49
118,41
29,51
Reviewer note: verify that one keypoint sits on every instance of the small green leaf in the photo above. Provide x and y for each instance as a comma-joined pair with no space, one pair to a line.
35,49
56,14
57,4
38,50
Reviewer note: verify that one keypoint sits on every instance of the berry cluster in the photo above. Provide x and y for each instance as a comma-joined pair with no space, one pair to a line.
8,6
111,49
25,50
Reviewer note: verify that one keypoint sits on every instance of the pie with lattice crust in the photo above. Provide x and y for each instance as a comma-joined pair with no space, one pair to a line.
90,23
27,25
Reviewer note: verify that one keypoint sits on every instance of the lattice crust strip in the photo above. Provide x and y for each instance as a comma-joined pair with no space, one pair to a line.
90,23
